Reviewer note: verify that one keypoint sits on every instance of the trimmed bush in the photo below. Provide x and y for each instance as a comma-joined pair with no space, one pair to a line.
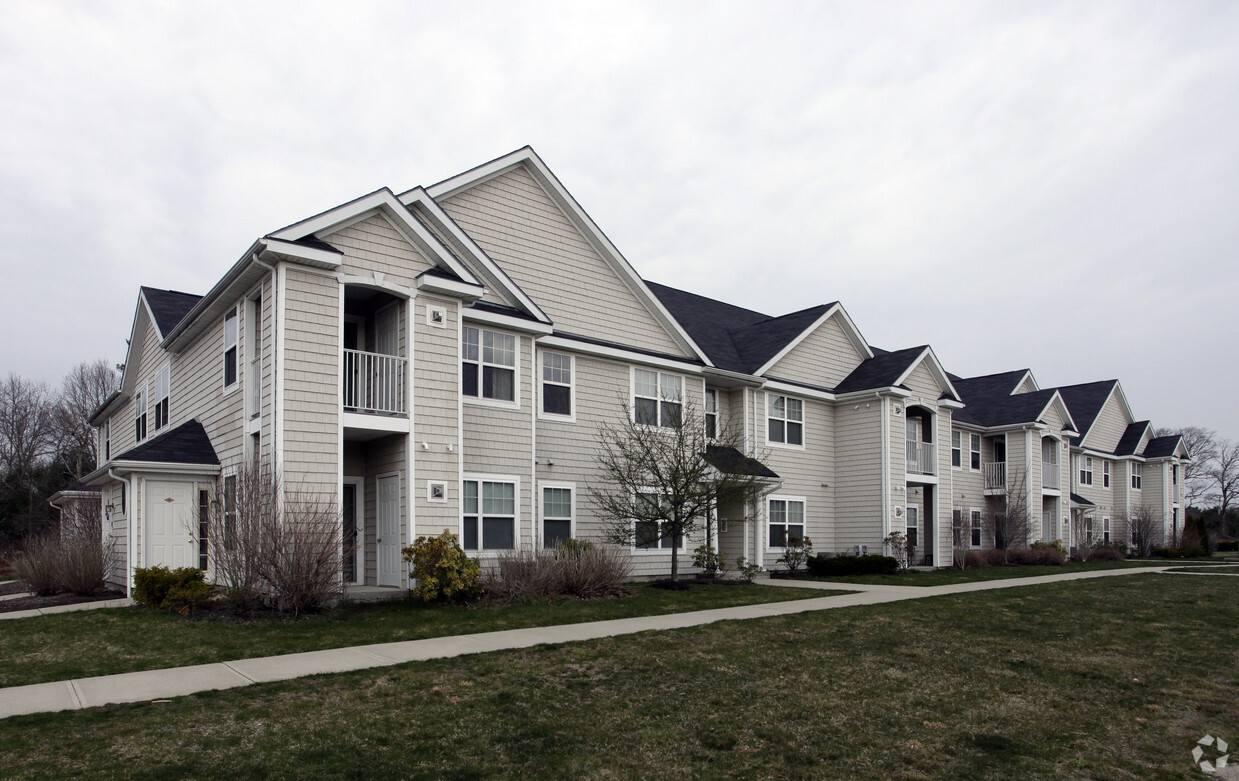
1106,552
442,569
169,589
1178,553
835,566
1041,554
573,569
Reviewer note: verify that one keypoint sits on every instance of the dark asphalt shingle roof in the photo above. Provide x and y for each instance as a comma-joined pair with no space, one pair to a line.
316,243
1006,410
1162,447
1085,401
881,371
763,340
1077,499
168,306
188,443
710,323
731,461
1130,440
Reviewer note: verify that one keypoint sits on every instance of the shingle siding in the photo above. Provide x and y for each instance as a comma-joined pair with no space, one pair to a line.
823,358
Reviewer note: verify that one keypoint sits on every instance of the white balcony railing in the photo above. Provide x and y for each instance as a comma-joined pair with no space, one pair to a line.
374,382
996,476
1049,476
920,457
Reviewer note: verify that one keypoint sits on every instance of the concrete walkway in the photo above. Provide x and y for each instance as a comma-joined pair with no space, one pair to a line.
179,681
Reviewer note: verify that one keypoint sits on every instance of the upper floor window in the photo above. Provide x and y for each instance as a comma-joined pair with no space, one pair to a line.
1086,470
658,398
1137,476
711,413
957,449
785,417
556,384
1105,474
974,452
139,415
1174,474
488,364
786,521
230,349
106,433
162,382
489,518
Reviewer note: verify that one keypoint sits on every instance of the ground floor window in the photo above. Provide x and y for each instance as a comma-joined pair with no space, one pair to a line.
556,515
489,520
786,521
976,528
1105,529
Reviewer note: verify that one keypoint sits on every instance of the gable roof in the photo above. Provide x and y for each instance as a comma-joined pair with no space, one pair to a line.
1085,401
988,386
991,400
1129,443
168,307
188,443
1163,447
883,370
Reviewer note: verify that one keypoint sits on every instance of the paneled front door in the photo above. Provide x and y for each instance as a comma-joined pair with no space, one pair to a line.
388,530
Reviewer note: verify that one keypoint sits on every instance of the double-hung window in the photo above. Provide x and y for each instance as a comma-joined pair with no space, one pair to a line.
230,512
162,381
107,439
1105,530
556,384
711,413
1086,470
974,452
957,449
649,532
1105,474
489,518
230,349
556,515
139,415
488,364
976,528
786,521
785,420
658,398
1137,476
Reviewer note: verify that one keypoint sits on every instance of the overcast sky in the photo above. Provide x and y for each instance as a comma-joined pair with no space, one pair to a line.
1036,185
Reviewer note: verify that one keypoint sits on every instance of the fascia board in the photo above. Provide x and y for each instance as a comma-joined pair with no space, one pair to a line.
1109,396
858,339
619,354
800,390
787,348
163,467
505,321
310,256
583,223
419,196
935,368
450,287
1062,405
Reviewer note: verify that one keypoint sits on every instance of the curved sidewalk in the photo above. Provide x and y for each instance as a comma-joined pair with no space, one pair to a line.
179,681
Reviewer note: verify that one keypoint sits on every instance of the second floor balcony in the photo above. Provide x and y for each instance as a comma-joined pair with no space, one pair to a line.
1049,476
921,460
375,383
996,476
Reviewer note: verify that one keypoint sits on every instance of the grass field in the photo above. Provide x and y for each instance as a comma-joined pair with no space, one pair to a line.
1105,678
102,642
948,577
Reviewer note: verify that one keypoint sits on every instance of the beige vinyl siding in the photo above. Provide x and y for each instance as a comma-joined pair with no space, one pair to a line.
490,281
118,525
499,440
967,486
1109,426
1026,385
824,357
384,456
311,383
858,471
802,473
518,225
374,245
1156,482
436,416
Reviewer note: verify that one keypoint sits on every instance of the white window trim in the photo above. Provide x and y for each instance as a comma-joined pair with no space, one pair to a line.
957,433
636,551
1136,476
804,427
706,413
542,484
1083,470
516,370
980,451
235,314
804,502
572,369
976,511
165,371
1105,474
142,401
632,392
481,552
1105,530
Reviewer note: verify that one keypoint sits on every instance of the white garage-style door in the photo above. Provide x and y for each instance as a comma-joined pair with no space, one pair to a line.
170,534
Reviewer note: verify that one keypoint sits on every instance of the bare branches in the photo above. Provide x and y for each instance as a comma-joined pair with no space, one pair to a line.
1223,474
1010,524
1145,529
83,389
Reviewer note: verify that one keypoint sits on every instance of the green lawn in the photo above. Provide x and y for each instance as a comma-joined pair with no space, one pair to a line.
1106,678
101,642
1224,568
947,577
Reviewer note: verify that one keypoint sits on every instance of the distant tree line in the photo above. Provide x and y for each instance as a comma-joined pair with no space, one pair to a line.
45,443
1211,479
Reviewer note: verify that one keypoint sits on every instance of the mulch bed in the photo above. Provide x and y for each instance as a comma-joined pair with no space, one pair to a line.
31,603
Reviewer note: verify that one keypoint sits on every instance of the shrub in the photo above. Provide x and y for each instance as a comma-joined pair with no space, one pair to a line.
796,553
1107,551
1195,536
977,559
1041,554
575,569
1178,553
748,571
592,571
301,561
189,595
442,569
709,560
168,589
868,564
38,566
85,560
1224,546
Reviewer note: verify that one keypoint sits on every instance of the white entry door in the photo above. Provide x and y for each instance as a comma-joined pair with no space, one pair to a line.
170,525
388,530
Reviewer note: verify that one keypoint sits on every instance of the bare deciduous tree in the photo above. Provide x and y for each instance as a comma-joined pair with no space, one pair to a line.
84,388
661,482
1008,522
1145,528
1082,534
1202,447
26,416
1223,475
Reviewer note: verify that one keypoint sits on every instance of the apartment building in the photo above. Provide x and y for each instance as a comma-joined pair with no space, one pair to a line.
442,358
